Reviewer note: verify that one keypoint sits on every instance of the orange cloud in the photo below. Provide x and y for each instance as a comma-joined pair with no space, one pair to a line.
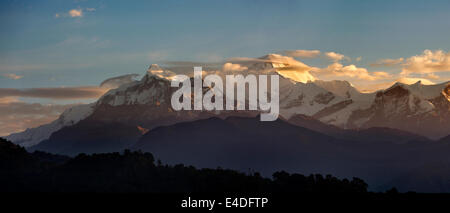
76,13
334,56
233,67
352,71
387,62
59,93
428,62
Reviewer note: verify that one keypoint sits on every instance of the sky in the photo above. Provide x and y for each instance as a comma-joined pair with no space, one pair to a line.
70,47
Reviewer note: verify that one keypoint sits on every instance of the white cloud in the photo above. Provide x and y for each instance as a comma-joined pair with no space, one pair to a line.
75,13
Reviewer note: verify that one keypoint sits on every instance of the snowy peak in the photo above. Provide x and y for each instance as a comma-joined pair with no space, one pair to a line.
423,91
288,67
156,70
424,109
340,88
69,117
154,67
151,90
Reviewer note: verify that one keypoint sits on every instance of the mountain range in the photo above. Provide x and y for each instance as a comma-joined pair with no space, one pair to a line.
324,127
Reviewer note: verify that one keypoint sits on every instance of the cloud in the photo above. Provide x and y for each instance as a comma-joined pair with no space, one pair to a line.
190,63
16,116
334,56
352,71
387,62
60,93
432,76
358,58
115,82
372,87
12,76
275,59
415,80
6,100
284,65
187,67
76,13
428,62
233,67
302,53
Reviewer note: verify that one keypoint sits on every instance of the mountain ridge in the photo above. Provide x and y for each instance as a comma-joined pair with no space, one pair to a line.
331,102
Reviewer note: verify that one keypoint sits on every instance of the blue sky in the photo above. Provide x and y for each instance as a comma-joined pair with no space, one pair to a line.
122,37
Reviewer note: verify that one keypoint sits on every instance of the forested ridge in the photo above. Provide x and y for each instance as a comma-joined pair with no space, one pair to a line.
140,172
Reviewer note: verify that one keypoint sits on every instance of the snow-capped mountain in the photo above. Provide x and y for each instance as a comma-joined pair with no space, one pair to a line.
69,117
423,109
146,104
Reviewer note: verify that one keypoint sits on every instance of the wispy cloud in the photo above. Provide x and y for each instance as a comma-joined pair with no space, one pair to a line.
302,53
59,93
16,116
22,67
285,65
12,76
115,82
387,62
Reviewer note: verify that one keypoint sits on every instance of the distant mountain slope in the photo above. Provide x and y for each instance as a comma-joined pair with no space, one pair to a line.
90,137
246,143
372,134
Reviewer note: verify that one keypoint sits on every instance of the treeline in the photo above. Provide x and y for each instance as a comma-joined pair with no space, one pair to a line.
138,172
